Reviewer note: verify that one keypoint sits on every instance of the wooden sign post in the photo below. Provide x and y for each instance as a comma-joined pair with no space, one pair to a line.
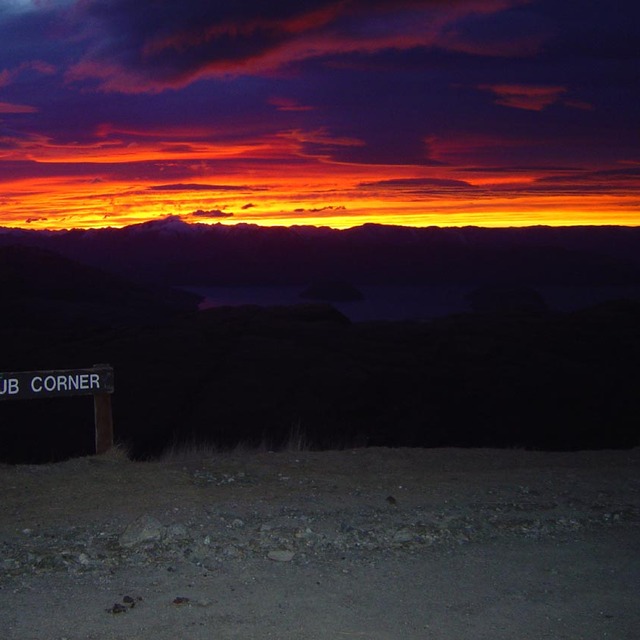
96,381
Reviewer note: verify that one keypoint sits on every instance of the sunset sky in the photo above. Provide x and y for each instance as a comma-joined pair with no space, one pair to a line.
333,112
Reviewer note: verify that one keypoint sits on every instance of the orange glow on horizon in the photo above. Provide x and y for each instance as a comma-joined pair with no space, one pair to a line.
326,113
285,179
88,206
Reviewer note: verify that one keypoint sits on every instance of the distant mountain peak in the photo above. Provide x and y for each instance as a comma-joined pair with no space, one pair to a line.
172,224
174,250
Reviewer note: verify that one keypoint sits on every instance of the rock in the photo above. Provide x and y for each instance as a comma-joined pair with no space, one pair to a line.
281,555
177,532
9,563
145,529
117,608
404,535
231,551
83,559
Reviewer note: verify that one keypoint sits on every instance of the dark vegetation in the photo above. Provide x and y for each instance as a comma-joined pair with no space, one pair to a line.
512,373
40,289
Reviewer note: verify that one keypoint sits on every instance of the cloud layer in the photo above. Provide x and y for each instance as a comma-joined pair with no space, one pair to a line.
320,111
138,46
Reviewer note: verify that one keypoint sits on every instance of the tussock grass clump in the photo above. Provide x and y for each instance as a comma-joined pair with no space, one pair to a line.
184,451
198,449
119,452
298,439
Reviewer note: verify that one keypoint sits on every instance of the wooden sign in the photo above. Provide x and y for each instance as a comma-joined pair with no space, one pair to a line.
96,381
51,384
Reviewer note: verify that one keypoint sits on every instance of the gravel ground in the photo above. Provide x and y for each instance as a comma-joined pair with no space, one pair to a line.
371,543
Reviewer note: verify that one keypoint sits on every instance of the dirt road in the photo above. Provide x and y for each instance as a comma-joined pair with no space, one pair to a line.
440,544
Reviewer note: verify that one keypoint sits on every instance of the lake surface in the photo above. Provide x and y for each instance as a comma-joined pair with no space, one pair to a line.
408,302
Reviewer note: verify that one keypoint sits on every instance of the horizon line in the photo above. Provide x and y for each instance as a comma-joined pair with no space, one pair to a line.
175,218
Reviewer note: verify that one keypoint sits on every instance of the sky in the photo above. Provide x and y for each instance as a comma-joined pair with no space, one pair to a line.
324,112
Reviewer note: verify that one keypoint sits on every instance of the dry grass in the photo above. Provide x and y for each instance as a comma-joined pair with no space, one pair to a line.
189,450
194,449
119,452
298,440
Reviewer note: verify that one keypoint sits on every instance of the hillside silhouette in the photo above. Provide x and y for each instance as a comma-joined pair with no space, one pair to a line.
512,373
43,289
172,252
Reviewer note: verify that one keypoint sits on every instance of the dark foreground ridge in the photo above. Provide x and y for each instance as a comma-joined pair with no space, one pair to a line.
270,377
510,373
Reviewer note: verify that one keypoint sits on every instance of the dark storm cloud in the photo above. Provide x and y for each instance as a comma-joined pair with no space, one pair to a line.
521,169
172,42
197,187
606,179
321,209
417,183
36,42
591,30
144,45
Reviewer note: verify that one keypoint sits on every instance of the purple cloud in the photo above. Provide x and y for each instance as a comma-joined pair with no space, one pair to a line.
197,187
213,213
142,46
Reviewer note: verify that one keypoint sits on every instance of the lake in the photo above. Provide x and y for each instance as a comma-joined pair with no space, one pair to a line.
406,302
